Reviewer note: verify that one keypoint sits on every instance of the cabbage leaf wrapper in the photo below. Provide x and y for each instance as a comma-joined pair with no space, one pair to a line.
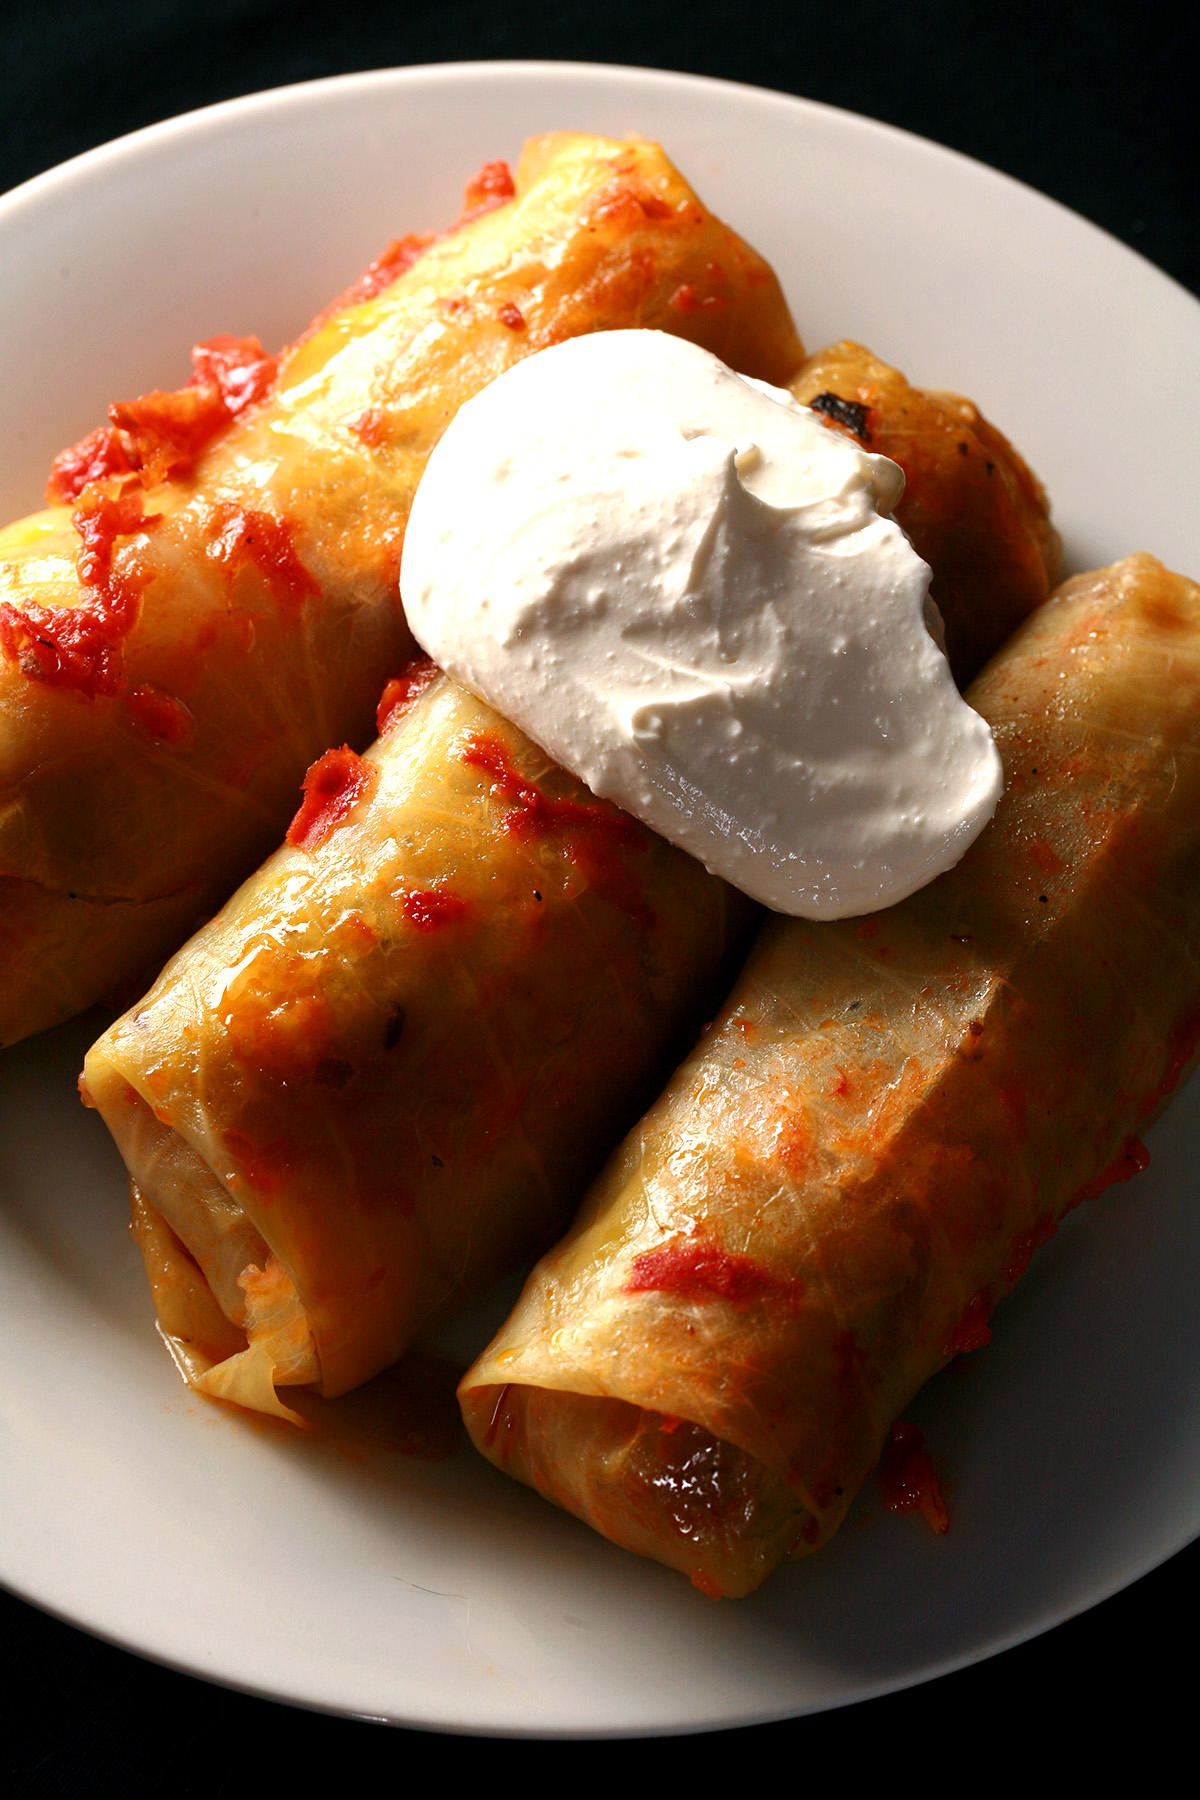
212,599
971,505
888,1117
385,1072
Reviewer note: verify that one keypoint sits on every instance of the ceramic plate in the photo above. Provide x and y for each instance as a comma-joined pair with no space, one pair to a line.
439,1593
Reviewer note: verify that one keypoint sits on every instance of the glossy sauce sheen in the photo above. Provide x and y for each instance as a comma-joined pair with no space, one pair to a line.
267,619
404,690
80,647
402,1046
907,1480
334,784
597,837
893,1114
160,435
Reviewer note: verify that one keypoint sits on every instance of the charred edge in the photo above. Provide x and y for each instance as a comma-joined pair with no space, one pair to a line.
850,413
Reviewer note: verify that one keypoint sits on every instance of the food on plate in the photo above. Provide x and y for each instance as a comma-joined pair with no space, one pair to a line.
971,506
210,599
383,1073
889,1115
690,593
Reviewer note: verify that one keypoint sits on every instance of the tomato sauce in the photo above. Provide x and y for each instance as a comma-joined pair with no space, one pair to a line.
492,187
972,1331
242,536
428,909
593,834
79,647
700,1270
96,457
160,434
332,787
907,1479
404,690
685,300
160,714
370,428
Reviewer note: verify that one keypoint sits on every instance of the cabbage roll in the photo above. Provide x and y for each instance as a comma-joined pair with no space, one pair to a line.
222,1088
211,599
381,1076
889,1116
971,506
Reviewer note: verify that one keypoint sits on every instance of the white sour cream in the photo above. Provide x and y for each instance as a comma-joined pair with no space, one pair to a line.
677,581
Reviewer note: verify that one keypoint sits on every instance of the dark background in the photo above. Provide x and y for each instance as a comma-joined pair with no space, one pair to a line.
1093,104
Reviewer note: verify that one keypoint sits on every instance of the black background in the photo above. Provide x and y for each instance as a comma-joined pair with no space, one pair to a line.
1093,104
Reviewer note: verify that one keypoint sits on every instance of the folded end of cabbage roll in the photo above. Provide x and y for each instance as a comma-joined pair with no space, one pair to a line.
660,1486
227,1308
887,1119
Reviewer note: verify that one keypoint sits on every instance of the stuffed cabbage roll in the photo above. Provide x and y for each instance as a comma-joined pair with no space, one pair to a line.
971,506
380,1077
210,600
890,1114
370,1057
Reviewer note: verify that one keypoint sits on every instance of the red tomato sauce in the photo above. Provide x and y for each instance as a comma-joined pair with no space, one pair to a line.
907,1479
332,787
79,647
97,456
161,434
685,299
698,1270
593,834
492,187
428,909
396,260
241,536
370,428
404,690
631,198
160,714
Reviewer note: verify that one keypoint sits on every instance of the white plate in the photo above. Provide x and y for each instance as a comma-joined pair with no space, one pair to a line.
441,1594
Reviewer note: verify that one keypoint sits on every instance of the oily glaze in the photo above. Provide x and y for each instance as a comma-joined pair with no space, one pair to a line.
888,1116
382,1075
233,608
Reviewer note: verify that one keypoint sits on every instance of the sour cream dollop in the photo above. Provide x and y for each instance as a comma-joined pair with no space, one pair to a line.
678,582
